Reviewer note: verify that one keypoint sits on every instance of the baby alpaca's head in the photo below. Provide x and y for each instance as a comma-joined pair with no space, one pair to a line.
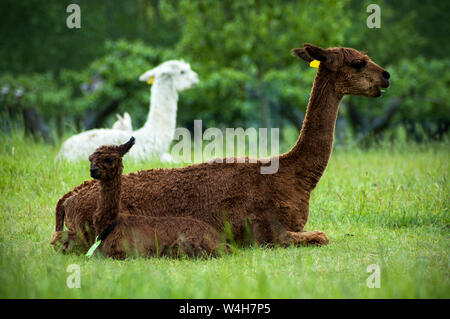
106,161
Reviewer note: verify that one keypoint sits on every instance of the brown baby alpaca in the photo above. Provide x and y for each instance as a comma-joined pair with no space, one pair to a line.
274,207
127,236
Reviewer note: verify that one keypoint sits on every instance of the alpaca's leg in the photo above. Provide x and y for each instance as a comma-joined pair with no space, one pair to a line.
181,246
262,232
303,238
271,230
68,242
193,245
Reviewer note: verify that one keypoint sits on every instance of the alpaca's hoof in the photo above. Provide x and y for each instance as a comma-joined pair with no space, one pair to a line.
319,238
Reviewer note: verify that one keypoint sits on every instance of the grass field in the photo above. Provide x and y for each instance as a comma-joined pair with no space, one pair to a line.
387,206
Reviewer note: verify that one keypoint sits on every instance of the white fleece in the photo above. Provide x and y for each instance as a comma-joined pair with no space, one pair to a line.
154,138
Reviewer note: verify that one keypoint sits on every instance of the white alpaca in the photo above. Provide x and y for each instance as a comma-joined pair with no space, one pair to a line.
154,138
123,123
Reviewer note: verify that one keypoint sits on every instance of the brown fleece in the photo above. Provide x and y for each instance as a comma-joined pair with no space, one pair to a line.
68,241
161,236
139,235
274,207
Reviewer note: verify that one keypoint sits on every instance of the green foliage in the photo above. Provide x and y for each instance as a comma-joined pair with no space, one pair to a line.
114,77
243,34
38,40
398,37
422,86
41,91
241,38
425,97
240,49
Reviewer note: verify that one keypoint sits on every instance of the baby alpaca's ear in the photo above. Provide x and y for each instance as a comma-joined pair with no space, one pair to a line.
124,148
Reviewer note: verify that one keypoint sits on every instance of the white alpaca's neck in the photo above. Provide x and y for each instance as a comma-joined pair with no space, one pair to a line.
161,122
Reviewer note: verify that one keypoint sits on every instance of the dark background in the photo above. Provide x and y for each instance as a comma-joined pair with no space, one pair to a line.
55,81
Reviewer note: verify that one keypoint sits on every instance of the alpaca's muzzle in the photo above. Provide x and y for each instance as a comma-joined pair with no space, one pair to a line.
94,173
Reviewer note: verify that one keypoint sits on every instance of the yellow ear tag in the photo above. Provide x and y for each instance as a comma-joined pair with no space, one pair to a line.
314,64
150,81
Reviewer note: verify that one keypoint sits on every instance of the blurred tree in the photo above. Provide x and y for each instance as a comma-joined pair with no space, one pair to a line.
241,50
412,38
110,84
36,38
33,100
241,36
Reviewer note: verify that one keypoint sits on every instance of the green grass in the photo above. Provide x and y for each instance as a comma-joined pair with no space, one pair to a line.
387,206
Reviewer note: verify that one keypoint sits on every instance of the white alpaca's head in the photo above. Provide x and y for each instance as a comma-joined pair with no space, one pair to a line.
177,71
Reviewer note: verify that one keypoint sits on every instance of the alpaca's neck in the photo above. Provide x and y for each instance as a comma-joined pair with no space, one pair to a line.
161,121
108,204
312,151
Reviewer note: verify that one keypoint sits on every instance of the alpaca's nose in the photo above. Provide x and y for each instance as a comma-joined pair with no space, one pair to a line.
94,172
195,78
386,75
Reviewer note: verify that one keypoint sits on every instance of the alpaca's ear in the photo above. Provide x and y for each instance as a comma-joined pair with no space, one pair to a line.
301,53
319,54
126,117
148,76
124,148
159,72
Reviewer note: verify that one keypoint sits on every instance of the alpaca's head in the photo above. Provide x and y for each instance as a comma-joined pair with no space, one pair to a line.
106,161
352,72
176,71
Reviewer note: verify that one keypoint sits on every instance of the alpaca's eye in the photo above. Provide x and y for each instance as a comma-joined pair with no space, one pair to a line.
358,65
109,160
183,72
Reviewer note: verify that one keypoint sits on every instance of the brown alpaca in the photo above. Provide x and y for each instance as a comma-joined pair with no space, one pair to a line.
125,235
274,207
